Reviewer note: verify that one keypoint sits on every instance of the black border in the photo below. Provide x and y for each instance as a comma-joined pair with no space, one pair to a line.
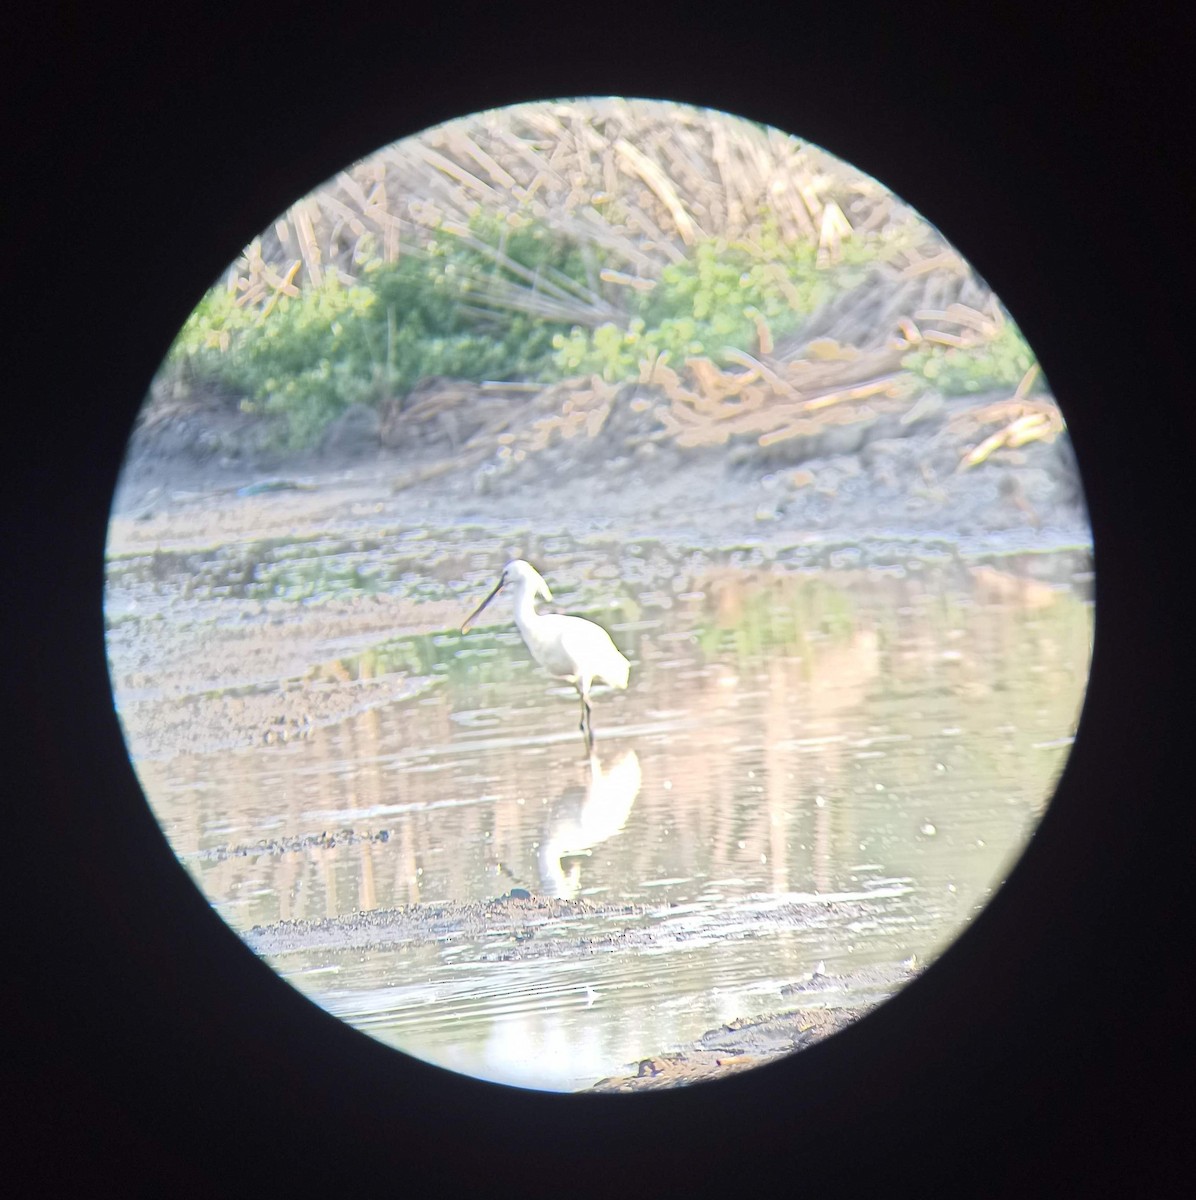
1045,1052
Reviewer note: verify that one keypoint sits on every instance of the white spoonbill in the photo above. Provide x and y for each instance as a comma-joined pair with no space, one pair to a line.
570,648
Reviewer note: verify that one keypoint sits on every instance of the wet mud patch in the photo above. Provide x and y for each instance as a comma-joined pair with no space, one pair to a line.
509,917
275,847
522,918
742,1045
200,723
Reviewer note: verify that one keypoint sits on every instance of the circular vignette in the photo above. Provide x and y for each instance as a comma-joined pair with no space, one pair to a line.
901,243
963,1002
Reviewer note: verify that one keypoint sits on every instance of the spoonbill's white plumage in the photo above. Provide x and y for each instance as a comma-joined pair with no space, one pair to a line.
570,648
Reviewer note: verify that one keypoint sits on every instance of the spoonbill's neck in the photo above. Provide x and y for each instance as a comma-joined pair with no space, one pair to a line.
525,605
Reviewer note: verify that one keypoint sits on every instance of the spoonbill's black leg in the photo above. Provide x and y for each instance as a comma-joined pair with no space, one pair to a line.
587,726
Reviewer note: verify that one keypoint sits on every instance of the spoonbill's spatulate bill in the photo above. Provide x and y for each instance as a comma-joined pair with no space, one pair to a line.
570,648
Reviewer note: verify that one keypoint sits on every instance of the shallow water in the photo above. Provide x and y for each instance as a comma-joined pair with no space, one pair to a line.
812,770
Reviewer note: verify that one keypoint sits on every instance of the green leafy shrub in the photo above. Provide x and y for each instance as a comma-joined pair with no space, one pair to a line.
309,357
719,297
1001,362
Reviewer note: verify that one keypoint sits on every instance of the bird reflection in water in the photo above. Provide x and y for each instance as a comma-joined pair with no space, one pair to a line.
584,817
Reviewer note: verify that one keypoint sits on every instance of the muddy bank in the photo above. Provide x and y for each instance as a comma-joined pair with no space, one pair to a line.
736,1046
579,928
513,918
859,468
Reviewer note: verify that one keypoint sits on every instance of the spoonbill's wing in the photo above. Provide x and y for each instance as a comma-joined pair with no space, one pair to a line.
590,649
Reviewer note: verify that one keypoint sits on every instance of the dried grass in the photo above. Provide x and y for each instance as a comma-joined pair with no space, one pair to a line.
643,181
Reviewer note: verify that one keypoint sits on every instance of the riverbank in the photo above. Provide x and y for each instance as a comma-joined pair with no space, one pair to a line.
953,468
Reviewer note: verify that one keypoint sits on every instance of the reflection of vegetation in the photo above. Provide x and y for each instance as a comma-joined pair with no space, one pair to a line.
967,697
785,617
465,662
758,621
416,655
1005,679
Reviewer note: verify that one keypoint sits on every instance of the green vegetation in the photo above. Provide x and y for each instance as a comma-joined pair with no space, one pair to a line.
999,362
722,296
578,254
309,357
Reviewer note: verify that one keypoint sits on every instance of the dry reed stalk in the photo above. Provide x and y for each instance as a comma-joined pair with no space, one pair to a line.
653,166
